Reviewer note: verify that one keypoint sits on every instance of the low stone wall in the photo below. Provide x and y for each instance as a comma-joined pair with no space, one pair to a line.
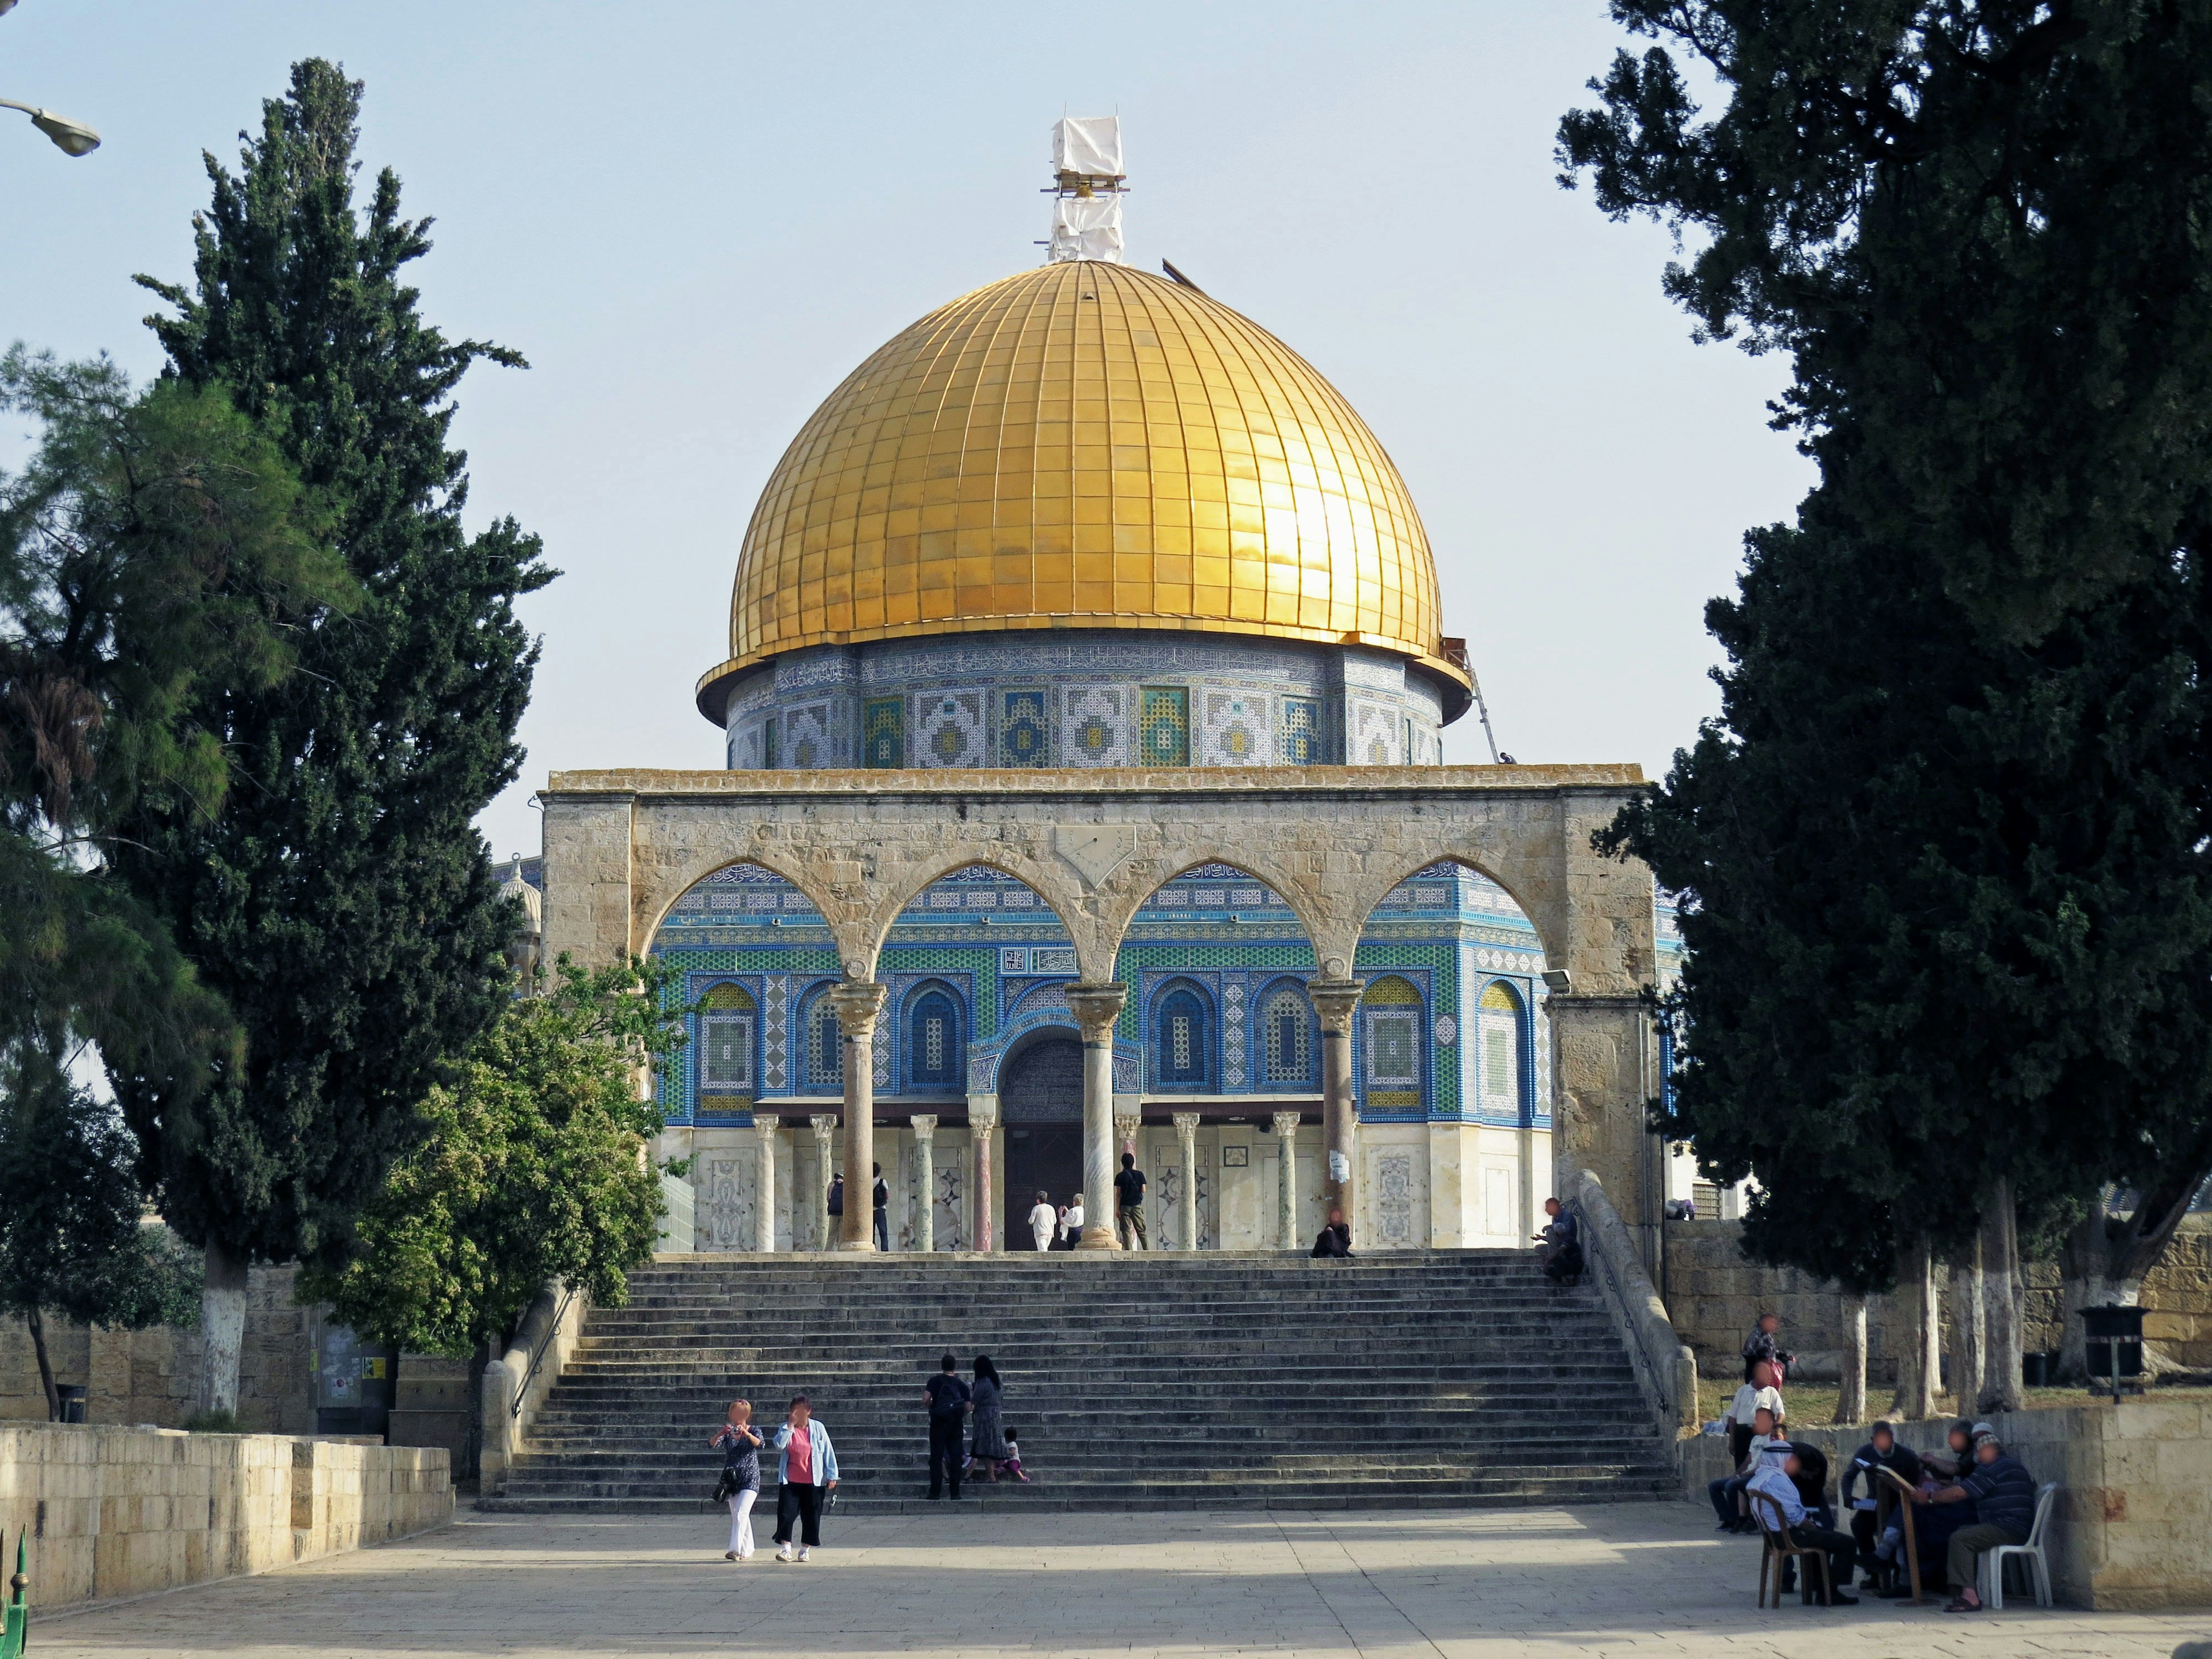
2134,1505
1713,1294
115,1512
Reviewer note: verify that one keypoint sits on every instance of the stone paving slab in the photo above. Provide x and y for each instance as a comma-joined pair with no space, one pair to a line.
1641,1581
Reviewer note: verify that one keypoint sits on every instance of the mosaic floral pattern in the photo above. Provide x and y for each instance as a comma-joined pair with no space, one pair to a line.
1024,733
949,728
1094,727
1235,730
1163,726
882,732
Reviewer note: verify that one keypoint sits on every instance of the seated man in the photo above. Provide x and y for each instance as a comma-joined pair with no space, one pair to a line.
1725,1491
1776,1479
1759,1391
1561,1238
2004,1496
1881,1451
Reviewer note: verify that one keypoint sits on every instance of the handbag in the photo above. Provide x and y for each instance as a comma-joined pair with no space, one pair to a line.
726,1488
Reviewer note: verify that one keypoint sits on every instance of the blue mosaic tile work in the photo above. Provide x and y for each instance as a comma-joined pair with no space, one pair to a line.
1024,729
1237,730
882,732
1433,971
1163,726
1301,734
1094,727
948,728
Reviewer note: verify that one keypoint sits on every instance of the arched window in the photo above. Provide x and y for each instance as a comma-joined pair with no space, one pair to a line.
935,1053
825,1051
1286,1036
725,1040
1502,1044
1392,1012
1184,1040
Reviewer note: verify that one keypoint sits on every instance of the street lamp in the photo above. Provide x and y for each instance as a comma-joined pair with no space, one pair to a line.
70,137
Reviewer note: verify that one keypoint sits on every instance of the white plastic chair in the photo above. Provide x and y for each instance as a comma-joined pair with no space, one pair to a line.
1993,1560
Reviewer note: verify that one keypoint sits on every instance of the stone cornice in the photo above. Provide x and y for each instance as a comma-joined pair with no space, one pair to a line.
1421,782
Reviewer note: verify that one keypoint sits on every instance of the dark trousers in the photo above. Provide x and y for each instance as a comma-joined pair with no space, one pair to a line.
1740,1443
945,1455
794,1502
1724,1492
1842,1553
882,1231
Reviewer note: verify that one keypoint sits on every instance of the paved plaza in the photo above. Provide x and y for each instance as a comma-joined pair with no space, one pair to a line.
1648,1579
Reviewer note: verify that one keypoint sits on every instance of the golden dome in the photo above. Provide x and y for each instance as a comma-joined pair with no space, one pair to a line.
1083,446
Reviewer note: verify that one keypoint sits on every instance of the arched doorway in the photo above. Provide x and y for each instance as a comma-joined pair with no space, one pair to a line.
1040,1103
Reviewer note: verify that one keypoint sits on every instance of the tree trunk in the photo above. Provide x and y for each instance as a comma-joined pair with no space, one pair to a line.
1968,1332
2108,1255
1919,1331
2001,1301
1851,1397
36,1321
223,1328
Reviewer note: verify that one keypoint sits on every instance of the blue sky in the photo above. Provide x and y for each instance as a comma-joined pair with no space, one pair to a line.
695,219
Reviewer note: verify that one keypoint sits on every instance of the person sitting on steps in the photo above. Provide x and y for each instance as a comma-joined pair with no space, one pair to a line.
1562,1240
1335,1239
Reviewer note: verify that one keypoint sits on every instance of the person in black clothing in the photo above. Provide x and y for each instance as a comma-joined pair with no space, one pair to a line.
1562,1243
882,1197
947,1397
1881,1451
836,1212
1761,1346
1129,1203
1334,1239
2003,1495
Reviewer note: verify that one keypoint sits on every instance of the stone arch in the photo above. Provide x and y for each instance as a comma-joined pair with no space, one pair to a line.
657,901
1138,881
1372,890
1048,882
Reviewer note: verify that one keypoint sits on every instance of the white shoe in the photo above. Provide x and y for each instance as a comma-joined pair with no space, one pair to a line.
784,1554
805,1554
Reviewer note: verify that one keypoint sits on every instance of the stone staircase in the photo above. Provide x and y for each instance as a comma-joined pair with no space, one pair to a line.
1218,1380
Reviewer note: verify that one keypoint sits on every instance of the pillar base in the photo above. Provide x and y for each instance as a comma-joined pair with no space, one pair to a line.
1098,1238
867,1245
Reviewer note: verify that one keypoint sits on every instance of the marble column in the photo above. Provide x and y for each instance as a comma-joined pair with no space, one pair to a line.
1096,1008
1186,1125
1126,1125
925,1178
857,1002
982,1127
1335,1001
765,1130
818,1208
1286,1182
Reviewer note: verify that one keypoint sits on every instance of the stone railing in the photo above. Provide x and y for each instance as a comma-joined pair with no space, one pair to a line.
1665,1367
516,1384
115,1512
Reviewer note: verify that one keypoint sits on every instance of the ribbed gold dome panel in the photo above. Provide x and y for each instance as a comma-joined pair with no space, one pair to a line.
1083,446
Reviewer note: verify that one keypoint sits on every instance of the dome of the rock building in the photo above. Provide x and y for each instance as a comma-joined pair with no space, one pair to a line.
1085,446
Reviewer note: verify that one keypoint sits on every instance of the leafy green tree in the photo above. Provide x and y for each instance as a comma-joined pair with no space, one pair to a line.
1951,921
75,1240
530,1168
344,905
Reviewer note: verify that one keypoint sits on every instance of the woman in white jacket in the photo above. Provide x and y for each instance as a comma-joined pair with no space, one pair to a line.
809,1473
1041,1222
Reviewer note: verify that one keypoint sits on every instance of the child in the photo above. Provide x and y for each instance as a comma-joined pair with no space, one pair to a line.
1013,1463
740,1444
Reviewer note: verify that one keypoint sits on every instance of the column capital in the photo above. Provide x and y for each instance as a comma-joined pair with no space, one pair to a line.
825,1125
925,1124
983,1115
1286,1123
1095,1008
858,1001
1334,1001
1186,1122
1125,1128
766,1127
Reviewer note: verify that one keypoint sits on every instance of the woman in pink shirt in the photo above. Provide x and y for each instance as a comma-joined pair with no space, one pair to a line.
809,1472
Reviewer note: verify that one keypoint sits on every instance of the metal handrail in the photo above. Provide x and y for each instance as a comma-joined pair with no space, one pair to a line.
552,1330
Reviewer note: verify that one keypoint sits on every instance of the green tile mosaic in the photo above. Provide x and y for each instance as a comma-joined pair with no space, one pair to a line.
1163,726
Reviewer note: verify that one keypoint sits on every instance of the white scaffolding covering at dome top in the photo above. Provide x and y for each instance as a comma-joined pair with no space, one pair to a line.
1087,189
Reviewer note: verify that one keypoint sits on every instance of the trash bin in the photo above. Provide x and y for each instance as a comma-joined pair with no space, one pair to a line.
71,1397
2114,1338
2035,1371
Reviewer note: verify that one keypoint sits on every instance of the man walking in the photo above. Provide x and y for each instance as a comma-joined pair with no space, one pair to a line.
1129,1201
882,1206
946,1396
809,1474
836,1205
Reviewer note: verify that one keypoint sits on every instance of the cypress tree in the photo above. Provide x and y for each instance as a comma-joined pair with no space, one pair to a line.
344,904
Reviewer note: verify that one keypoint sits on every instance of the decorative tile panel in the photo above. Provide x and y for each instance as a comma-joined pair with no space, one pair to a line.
1301,731
1394,1199
1094,727
1024,729
882,732
1164,726
1373,737
949,729
806,737
1234,729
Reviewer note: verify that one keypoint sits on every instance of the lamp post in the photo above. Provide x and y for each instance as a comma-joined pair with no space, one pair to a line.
70,137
